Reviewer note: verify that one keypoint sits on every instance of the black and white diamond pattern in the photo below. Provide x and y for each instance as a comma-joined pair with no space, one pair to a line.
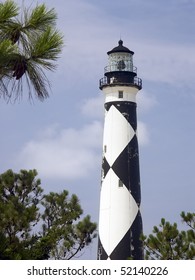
120,223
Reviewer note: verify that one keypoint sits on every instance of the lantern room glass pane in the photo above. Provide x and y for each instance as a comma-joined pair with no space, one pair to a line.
120,62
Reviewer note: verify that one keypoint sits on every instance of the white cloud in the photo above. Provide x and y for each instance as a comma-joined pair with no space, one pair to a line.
94,107
68,153
142,134
64,153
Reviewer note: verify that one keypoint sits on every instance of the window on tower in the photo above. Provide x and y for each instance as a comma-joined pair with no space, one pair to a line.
120,94
120,183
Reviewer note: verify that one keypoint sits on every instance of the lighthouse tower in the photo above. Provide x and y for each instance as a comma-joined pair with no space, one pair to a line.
120,223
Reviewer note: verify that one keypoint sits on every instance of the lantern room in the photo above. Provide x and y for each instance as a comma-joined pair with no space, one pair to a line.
120,69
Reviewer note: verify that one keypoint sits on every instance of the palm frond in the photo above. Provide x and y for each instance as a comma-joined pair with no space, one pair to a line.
27,47
6,48
45,49
8,10
8,26
11,30
34,80
39,18
8,53
8,87
37,81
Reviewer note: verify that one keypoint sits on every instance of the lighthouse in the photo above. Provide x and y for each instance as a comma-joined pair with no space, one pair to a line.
120,222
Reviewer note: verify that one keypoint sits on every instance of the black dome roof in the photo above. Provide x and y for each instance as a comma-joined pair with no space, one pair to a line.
120,48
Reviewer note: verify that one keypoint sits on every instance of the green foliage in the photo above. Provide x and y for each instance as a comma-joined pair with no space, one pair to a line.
19,212
8,10
37,45
37,226
59,217
19,196
168,243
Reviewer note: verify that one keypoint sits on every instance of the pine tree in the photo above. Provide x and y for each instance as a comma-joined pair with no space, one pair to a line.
67,237
30,44
37,226
169,243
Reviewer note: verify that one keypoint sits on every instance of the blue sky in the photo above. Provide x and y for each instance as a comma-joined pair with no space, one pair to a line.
62,136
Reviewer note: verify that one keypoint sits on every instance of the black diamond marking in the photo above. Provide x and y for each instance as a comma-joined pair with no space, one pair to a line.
108,105
133,169
126,167
121,168
136,243
105,167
